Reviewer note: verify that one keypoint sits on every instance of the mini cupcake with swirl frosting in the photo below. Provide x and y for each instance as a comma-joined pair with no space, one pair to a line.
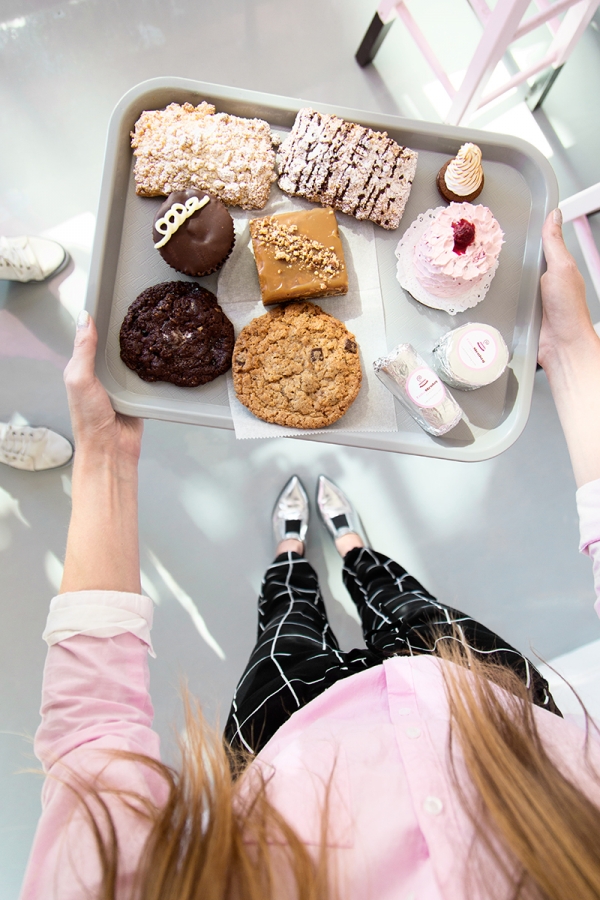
460,180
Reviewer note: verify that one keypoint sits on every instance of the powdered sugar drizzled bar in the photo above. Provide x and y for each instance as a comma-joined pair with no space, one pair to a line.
343,165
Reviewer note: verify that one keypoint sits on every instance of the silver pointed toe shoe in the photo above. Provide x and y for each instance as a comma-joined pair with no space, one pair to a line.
290,513
336,511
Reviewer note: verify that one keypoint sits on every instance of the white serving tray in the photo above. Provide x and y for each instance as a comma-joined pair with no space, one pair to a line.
520,189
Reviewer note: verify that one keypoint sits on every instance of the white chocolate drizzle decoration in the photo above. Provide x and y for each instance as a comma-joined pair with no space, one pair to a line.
464,173
174,217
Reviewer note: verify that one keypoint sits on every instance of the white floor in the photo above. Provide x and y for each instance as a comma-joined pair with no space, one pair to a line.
498,538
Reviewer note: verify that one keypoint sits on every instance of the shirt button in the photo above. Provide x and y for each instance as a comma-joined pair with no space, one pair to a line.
404,711
433,806
413,732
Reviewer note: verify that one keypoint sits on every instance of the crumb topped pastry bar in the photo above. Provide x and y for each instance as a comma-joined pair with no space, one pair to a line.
189,146
343,165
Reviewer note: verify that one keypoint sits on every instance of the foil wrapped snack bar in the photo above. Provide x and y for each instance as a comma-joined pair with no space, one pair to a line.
418,389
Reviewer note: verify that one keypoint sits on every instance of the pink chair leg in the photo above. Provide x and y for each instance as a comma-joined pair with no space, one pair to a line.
589,250
553,24
497,35
421,42
573,25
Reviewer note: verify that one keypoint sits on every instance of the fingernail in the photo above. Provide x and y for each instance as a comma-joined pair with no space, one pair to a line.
83,319
558,216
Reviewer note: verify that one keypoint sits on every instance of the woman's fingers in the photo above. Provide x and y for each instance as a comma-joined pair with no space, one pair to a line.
91,410
559,260
562,276
79,371
92,415
555,250
566,319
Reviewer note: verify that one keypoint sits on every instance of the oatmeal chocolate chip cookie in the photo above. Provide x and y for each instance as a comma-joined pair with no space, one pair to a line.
297,366
177,332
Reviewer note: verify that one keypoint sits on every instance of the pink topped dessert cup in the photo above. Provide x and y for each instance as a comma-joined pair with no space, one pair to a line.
449,255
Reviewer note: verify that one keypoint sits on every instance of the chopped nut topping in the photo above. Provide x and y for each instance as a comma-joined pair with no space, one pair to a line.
296,249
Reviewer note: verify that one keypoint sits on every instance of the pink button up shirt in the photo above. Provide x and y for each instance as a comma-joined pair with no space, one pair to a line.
397,830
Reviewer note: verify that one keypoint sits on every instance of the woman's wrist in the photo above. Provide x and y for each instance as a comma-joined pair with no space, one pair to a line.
563,357
102,460
102,547
573,371
108,457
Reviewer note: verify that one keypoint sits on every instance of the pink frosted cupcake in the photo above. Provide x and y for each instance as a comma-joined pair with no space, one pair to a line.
449,255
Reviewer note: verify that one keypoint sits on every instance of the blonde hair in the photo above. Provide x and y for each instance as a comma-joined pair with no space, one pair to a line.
214,840
217,836
541,830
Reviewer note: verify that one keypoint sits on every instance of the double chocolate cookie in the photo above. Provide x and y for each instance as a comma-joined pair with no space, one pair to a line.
193,232
297,366
177,332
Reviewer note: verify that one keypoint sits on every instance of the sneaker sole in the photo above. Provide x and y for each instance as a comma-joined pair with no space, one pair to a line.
58,269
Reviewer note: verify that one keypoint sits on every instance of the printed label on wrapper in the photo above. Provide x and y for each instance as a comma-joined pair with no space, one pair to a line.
477,349
425,388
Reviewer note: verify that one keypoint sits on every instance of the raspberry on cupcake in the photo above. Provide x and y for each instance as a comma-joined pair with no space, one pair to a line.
193,232
461,179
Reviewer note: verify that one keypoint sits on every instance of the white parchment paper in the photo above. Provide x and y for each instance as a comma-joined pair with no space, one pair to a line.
361,310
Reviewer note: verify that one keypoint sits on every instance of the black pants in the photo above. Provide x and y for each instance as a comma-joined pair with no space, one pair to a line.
297,656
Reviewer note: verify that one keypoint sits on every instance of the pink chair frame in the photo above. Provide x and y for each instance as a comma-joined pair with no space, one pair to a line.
501,26
576,209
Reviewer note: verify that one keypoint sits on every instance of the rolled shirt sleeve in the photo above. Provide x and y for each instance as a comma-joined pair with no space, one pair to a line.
96,732
99,614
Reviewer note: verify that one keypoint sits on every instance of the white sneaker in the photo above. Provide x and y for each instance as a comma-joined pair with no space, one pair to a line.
33,449
30,258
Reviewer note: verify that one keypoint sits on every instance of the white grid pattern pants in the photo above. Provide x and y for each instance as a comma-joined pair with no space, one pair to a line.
297,656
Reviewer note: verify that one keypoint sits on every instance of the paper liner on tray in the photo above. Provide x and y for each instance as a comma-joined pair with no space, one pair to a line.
405,271
361,310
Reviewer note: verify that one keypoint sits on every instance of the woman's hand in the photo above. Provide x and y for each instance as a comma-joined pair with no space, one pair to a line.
570,353
102,546
566,322
96,426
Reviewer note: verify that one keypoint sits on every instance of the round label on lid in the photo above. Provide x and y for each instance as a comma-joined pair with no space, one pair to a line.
477,349
424,388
